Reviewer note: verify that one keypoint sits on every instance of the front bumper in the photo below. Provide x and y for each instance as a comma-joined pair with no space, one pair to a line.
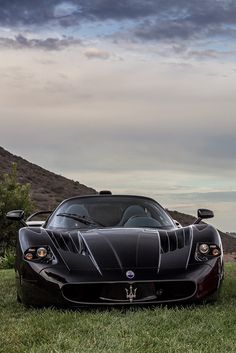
50,287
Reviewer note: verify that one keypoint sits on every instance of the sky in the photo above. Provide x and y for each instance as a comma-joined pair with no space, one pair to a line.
136,96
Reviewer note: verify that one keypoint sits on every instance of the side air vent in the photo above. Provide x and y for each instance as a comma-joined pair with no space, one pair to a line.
173,240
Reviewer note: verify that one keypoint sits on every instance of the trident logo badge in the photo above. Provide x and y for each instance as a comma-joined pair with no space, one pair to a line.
131,293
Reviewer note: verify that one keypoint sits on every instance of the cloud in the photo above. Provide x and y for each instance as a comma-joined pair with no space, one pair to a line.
206,54
21,41
187,20
213,196
152,19
95,53
168,29
65,9
26,12
29,12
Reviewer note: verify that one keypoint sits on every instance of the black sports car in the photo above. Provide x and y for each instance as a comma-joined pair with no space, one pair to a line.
115,250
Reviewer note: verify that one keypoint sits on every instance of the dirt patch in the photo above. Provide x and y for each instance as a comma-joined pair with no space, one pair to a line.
229,257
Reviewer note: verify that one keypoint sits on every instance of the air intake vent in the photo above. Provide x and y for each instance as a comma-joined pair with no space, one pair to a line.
173,240
66,241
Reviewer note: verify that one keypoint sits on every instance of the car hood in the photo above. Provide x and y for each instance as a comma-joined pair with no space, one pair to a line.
124,249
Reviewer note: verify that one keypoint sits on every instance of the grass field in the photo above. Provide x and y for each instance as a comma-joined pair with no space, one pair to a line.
206,328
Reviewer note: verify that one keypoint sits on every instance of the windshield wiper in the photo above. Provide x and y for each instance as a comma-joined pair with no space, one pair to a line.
79,218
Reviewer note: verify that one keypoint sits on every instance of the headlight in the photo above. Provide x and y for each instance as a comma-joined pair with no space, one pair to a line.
39,254
204,249
216,252
29,256
205,252
42,252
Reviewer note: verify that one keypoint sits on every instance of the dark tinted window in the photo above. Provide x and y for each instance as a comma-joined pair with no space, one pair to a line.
111,211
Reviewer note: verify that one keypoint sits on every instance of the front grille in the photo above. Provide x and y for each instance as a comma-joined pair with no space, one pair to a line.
145,292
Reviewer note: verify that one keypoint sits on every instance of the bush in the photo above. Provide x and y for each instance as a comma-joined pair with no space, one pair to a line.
7,261
13,195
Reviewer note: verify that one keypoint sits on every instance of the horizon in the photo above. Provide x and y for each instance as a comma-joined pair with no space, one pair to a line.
158,198
134,97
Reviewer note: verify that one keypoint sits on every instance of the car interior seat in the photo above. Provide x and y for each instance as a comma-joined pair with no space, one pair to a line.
133,210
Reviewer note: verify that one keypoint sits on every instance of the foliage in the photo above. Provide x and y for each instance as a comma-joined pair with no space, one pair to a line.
13,195
7,261
178,329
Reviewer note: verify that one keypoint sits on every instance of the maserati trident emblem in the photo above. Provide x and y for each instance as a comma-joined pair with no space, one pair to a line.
130,274
131,293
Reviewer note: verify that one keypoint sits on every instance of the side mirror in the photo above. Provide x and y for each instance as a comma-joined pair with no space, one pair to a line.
17,215
203,213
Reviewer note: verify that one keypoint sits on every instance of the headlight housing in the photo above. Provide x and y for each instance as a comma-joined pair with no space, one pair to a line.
206,251
39,254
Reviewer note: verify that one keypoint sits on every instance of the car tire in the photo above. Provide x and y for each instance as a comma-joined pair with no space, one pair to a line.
18,299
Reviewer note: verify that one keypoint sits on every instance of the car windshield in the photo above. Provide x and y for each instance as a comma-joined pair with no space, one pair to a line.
110,211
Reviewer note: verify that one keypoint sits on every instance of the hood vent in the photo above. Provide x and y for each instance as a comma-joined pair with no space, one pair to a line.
169,240
173,240
67,241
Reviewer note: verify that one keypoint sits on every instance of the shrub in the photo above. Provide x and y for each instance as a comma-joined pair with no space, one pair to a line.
13,195
7,260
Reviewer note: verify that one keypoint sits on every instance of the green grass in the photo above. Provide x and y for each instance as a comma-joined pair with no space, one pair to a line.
200,329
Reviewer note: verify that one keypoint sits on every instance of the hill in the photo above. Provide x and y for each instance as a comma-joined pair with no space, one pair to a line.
48,189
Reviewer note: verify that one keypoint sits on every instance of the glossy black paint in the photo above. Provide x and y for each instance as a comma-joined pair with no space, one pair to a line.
203,213
89,266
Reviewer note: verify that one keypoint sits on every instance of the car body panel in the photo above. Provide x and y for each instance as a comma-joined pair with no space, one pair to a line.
116,265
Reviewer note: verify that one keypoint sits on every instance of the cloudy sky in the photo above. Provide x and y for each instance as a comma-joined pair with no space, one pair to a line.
133,96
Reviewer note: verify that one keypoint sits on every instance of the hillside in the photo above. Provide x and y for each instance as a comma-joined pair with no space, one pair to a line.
48,189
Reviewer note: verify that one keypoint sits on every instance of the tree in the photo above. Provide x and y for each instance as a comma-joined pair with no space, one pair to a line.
13,195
